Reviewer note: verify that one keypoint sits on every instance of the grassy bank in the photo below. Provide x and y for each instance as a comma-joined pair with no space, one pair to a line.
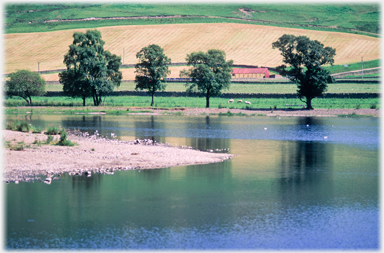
362,17
116,105
353,66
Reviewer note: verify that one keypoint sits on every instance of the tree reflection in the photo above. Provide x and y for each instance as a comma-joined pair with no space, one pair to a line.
147,129
153,175
303,164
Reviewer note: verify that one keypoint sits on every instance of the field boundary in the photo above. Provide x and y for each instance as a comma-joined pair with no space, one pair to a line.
357,72
227,95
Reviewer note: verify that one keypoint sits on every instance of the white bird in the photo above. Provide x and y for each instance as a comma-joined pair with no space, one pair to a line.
325,137
265,128
112,135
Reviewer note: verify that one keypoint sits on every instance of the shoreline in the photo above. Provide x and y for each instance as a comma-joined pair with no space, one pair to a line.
186,111
93,155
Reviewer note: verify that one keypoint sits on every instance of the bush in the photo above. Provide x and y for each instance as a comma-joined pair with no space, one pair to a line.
49,139
52,131
22,126
63,139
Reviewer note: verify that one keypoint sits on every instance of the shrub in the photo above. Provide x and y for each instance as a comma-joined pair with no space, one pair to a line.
63,139
22,126
49,139
52,131
373,106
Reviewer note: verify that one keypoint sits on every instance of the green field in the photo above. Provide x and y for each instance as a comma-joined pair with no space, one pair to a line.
117,102
258,88
24,18
353,66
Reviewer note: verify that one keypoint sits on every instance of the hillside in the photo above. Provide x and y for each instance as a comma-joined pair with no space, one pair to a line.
24,18
243,43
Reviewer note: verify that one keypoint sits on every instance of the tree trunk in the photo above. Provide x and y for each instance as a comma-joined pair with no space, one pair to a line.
26,100
309,103
83,101
207,99
153,96
94,97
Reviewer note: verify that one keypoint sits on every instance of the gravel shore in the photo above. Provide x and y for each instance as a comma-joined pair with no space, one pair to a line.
92,155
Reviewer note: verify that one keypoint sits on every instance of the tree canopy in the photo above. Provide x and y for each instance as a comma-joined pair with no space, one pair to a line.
152,69
210,73
25,84
305,58
91,71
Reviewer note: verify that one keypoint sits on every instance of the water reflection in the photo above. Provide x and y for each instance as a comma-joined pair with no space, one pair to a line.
287,188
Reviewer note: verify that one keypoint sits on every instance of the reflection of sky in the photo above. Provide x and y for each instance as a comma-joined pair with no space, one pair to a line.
363,132
351,131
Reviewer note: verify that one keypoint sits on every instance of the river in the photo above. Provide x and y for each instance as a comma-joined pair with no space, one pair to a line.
295,183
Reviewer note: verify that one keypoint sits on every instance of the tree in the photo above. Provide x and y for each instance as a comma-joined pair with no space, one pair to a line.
25,84
91,71
210,73
151,70
305,58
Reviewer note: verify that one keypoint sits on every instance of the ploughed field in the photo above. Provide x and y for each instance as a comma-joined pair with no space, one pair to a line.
243,43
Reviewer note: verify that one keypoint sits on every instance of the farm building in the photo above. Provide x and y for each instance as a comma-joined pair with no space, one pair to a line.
250,73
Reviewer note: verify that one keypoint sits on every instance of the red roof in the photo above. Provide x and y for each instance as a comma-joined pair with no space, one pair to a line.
251,71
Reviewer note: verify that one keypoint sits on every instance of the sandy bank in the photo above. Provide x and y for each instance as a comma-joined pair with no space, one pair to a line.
93,155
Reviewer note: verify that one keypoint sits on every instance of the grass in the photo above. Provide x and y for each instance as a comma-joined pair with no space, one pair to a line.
17,146
363,17
353,66
23,126
125,105
243,88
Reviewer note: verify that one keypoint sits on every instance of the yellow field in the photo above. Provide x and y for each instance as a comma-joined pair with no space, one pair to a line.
243,43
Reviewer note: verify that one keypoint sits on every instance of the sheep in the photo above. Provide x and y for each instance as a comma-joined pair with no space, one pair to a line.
239,101
230,101
247,102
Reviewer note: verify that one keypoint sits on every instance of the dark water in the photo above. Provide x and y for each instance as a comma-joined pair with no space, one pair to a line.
296,183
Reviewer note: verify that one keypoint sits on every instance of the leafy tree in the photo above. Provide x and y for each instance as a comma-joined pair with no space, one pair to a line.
152,69
91,71
25,84
305,58
210,73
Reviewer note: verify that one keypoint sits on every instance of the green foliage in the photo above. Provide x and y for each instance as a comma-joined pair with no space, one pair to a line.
210,73
52,130
91,71
49,139
25,84
152,69
21,126
17,147
63,139
305,58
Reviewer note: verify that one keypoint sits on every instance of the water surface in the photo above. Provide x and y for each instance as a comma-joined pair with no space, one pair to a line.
296,183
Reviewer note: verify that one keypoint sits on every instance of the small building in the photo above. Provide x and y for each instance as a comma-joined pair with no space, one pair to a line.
250,73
